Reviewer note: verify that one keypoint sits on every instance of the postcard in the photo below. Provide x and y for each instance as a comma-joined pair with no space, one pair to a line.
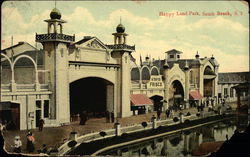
123,78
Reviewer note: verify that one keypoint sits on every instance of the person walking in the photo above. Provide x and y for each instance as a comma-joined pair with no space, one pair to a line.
83,118
17,144
41,123
167,113
30,142
152,118
158,114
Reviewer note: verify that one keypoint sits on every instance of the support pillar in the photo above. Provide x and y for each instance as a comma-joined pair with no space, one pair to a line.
186,93
166,91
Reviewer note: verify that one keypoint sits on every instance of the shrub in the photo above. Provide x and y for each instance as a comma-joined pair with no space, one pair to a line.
188,114
176,119
144,124
103,133
72,143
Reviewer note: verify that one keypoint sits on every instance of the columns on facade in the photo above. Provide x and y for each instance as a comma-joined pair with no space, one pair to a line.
13,83
110,98
37,85
125,85
215,93
186,92
166,91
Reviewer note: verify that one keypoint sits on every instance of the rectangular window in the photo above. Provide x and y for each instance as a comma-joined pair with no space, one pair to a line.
46,109
171,56
38,103
231,92
225,92
178,56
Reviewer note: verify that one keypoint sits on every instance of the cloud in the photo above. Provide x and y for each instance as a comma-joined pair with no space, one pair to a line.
225,38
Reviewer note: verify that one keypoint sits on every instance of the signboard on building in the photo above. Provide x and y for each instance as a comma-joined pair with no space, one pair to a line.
155,82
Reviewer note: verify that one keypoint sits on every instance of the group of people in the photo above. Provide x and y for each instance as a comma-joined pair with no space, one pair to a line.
30,143
169,113
30,147
30,140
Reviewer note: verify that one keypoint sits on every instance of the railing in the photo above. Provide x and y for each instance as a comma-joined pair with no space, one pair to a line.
44,86
24,87
121,46
137,86
63,149
54,36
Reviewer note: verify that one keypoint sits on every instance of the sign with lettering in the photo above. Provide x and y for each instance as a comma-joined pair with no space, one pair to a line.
155,82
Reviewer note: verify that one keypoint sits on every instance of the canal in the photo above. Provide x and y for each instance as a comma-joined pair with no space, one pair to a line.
183,143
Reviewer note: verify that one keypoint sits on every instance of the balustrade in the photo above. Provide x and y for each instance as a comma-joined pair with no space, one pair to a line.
54,36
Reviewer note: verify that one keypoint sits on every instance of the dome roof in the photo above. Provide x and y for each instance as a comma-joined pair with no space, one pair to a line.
197,55
120,28
55,14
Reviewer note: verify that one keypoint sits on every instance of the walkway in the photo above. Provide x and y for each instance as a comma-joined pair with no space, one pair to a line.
56,136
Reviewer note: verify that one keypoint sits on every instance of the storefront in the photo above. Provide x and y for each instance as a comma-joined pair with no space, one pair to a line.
141,104
194,98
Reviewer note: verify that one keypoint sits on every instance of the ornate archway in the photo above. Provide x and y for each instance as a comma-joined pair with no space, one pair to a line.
176,94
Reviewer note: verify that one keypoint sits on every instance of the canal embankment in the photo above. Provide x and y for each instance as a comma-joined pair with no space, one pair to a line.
136,134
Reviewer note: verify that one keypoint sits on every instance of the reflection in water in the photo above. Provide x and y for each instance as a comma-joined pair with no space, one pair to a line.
179,144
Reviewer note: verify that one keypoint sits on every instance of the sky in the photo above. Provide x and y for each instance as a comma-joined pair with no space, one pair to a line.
226,36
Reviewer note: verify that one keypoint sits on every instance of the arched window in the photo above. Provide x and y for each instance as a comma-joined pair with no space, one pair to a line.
60,28
145,73
135,74
24,70
154,71
6,69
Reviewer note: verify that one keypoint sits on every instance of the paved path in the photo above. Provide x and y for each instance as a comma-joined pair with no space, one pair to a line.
55,136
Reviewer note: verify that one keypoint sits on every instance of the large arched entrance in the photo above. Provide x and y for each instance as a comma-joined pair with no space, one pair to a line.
92,95
208,84
176,94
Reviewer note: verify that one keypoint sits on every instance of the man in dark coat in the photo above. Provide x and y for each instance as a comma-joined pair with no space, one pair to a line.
41,123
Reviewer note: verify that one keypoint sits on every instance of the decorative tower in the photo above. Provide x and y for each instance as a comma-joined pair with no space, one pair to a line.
122,52
55,45
166,91
186,93
197,56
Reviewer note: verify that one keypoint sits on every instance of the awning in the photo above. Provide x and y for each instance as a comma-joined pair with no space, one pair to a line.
140,100
195,95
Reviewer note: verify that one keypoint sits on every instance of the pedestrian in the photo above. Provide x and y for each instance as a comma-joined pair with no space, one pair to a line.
152,118
112,117
83,118
168,113
40,124
17,144
30,142
158,114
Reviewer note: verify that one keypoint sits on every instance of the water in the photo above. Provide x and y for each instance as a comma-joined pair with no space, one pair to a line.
179,144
